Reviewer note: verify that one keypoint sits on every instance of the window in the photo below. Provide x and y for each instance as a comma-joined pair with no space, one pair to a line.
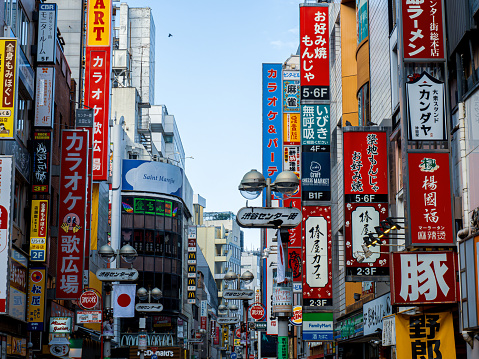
363,106
168,139
22,118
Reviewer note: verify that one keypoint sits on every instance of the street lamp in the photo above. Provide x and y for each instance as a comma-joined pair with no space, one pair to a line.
144,294
254,182
108,254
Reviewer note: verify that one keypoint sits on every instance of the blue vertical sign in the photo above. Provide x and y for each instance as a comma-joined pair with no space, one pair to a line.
272,121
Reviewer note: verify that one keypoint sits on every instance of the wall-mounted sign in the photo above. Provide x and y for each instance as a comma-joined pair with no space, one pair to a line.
192,248
38,230
423,277
89,316
374,311
36,299
292,128
45,96
8,74
430,208
149,307
315,126
6,188
17,305
297,318
426,109
88,299
291,92
317,267
316,173
41,169
318,326
47,33
60,325
117,274
243,294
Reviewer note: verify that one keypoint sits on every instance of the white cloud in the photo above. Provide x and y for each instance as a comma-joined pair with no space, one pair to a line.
284,44
294,31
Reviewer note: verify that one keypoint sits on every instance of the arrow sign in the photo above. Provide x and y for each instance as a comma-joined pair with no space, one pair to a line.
238,294
117,274
149,307
227,320
263,217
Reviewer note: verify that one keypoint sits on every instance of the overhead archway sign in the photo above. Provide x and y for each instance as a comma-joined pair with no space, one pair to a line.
265,217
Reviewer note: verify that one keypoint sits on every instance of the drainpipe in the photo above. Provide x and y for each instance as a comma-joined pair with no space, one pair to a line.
461,235
463,154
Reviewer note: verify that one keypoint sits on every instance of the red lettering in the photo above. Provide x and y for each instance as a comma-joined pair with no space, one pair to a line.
99,18
99,4
98,31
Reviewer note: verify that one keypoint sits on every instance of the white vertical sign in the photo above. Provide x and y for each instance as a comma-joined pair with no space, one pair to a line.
47,33
363,221
271,325
44,97
6,190
316,252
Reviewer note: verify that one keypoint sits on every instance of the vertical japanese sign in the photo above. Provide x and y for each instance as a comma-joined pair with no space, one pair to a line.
423,277
422,30
360,221
426,103
429,335
291,91
41,171
97,96
97,81
317,260
191,287
272,121
8,76
292,159
365,167
45,96
291,128
430,209
271,324
315,127
314,51
294,246
36,299
39,230
73,188
47,33
17,303
6,189
204,314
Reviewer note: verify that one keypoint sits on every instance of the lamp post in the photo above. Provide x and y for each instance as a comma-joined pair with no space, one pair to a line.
144,294
286,182
247,277
108,254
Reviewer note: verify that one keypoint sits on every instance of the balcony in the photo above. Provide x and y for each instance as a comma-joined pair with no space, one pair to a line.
153,339
220,258
220,240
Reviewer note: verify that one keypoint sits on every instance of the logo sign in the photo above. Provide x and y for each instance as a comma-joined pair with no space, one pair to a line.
244,294
425,104
36,299
149,307
316,173
361,218
59,350
374,311
297,318
233,355
60,325
314,49
73,190
191,289
428,335
430,199
88,299
423,32
117,274
89,316
47,33
317,267
42,147
8,52
423,277
257,311
272,121
318,326
45,84
228,320
261,326
38,230
365,167
238,333
291,93
263,217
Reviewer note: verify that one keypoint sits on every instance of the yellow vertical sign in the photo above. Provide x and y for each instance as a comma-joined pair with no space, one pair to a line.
8,75
36,299
38,230
99,23
428,335
291,129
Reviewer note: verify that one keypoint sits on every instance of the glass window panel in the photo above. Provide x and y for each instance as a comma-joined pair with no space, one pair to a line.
149,221
173,266
127,220
158,267
167,268
168,242
168,223
126,236
138,238
159,243
167,290
160,222
149,242
139,221
149,266
175,225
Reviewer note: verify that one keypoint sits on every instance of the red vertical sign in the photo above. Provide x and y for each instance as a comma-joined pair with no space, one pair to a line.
314,48
97,97
423,32
294,246
73,187
430,209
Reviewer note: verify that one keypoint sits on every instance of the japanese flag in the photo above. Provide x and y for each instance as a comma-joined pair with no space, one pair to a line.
124,300
280,277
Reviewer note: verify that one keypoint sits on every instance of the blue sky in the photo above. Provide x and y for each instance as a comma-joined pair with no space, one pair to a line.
208,74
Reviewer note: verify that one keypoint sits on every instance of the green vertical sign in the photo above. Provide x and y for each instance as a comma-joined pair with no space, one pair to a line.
282,347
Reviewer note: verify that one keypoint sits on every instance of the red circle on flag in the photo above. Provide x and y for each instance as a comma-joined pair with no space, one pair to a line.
124,300
36,276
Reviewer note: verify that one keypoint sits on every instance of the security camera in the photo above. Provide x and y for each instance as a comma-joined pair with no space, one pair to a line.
360,258
468,338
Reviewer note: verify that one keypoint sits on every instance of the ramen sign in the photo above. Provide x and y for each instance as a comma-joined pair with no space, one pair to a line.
88,299
257,311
